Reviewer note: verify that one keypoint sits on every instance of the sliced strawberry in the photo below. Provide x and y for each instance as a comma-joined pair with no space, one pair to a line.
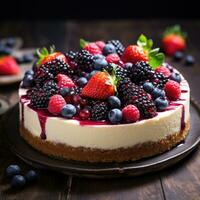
64,81
100,86
9,66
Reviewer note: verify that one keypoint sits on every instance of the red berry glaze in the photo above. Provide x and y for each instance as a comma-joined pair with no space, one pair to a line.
164,70
56,103
172,90
130,113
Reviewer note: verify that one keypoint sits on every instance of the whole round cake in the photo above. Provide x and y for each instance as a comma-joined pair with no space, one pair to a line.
104,103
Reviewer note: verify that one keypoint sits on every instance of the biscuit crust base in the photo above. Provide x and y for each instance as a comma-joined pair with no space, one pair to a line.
136,152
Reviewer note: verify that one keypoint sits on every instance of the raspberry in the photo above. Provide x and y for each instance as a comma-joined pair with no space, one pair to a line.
130,113
100,44
113,58
56,103
64,81
92,48
163,70
172,90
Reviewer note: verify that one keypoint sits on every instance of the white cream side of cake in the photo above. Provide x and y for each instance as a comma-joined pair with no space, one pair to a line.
70,132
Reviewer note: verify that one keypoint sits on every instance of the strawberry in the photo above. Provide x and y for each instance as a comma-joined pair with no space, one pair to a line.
9,66
164,70
130,113
143,52
113,58
91,47
64,81
100,86
173,40
172,90
100,44
56,104
45,56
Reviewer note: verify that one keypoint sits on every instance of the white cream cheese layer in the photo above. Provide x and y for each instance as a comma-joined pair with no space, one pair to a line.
70,132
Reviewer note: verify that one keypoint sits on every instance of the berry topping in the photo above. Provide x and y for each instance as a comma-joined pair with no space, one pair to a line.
118,46
175,77
64,81
158,93
100,62
113,58
161,103
100,86
100,44
84,114
131,113
65,91
109,49
56,104
13,170
163,70
68,111
148,87
172,90
27,81
114,102
82,81
115,116
91,47
18,181
99,111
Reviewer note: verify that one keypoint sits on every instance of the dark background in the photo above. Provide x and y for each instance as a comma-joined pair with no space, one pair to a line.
98,9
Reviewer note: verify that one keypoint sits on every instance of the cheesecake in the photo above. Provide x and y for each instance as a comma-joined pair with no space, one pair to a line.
104,103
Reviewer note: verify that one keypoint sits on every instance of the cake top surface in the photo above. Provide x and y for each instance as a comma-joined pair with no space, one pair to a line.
102,82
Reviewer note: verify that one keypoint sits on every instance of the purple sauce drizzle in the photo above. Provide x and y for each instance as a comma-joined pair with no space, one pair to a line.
42,120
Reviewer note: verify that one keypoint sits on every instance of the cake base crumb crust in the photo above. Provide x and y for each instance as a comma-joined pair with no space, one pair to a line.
136,152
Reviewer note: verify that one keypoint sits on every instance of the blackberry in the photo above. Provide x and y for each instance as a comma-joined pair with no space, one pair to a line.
39,99
42,74
99,110
71,55
50,88
75,90
130,93
85,60
140,72
159,80
57,66
118,46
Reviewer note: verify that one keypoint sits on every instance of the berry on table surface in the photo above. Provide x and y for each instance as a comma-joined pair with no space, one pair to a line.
56,104
163,70
172,90
158,93
114,102
130,113
109,49
161,103
18,181
113,58
64,81
31,176
84,114
148,87
82,81
115,116
68,111
178,56
175,77
118,46
13,170
189,60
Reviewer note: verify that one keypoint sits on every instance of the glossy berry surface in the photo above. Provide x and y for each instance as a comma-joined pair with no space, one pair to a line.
13,170
158,93
68,111
161,103
82,81
114,102
130,113
65,91
115,116
175,77
189,60
148,87
56,104
84,114
172,90
108,49
27,81
31,176
18,181
178,56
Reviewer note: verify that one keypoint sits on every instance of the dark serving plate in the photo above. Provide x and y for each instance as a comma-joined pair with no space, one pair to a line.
98,170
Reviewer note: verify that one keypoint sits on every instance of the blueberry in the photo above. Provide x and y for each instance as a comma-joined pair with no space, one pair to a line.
29,72
114,102
28,58
158,93
18,181
128,65
100,63
98,56
178,55
82,81
148,87
92,73
10,42
68,111
115,116
189,60
65,91
161,103
27,81
13,170
19,59
31,176
5,50
175,77
108,49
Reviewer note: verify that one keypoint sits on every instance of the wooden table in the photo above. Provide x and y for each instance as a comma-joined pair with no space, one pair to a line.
181,182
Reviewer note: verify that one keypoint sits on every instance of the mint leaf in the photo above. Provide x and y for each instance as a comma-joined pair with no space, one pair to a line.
156,59
83,43
145,43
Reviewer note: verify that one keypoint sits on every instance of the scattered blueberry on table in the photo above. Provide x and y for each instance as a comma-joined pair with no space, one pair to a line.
189,60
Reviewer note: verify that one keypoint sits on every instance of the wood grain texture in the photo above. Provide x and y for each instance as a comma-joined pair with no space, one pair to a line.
179,182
